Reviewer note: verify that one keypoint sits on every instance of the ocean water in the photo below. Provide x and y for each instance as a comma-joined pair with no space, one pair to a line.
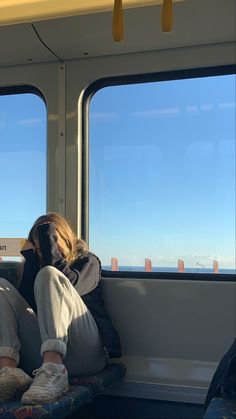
170,269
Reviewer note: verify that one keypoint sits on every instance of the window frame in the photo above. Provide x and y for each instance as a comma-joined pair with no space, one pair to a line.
24,89
90,91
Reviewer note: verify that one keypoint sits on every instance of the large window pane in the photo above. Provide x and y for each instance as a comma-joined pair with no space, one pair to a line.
22,163
162,174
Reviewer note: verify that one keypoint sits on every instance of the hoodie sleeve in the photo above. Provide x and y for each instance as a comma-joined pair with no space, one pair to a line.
31,264
89,268
51,255
30,270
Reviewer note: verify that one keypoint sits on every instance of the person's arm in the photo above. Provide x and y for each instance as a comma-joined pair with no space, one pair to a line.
50,252
30,255
30,270
89,268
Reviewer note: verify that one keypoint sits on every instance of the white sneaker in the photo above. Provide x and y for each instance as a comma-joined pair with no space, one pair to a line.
50,382
13,382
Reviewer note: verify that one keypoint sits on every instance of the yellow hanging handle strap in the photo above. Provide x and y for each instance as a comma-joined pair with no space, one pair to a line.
167,16
118,23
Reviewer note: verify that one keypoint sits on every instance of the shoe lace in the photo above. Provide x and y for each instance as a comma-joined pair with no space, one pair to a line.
42,376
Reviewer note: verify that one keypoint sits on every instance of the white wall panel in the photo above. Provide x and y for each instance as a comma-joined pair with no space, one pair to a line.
173,334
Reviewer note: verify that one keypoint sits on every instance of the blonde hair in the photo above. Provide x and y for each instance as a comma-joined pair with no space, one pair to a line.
70,246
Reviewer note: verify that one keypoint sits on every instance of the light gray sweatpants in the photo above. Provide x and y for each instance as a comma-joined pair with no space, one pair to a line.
63,324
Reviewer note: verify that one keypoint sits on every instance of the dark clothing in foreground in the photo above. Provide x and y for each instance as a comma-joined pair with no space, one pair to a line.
223,383
84,273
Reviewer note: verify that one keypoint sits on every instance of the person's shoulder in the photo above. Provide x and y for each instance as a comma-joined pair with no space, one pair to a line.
94,257
87,257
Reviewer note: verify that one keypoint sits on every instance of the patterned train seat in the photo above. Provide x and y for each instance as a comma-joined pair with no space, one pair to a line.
82,391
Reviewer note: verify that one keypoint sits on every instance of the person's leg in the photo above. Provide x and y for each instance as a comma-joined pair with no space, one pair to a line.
66,325
9,341
67,328
18,330
85,353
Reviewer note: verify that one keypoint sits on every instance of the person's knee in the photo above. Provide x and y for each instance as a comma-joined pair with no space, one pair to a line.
5,285
47,275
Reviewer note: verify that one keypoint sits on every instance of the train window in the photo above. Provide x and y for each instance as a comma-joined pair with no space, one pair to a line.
23,167
162,175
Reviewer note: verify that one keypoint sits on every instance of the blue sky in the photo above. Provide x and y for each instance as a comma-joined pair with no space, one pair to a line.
22,162
162,172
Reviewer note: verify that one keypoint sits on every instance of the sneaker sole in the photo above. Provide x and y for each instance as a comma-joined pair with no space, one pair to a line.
40,402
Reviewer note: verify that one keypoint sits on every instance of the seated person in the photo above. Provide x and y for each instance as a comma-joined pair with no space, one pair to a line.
56,324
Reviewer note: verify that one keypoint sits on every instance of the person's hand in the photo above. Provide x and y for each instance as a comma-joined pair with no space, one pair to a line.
38,249
35,230
35,235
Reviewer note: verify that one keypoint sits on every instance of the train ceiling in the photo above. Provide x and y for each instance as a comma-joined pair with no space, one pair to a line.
18,11
48,30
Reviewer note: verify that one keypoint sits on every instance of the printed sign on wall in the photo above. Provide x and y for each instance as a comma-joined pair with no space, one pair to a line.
11,247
